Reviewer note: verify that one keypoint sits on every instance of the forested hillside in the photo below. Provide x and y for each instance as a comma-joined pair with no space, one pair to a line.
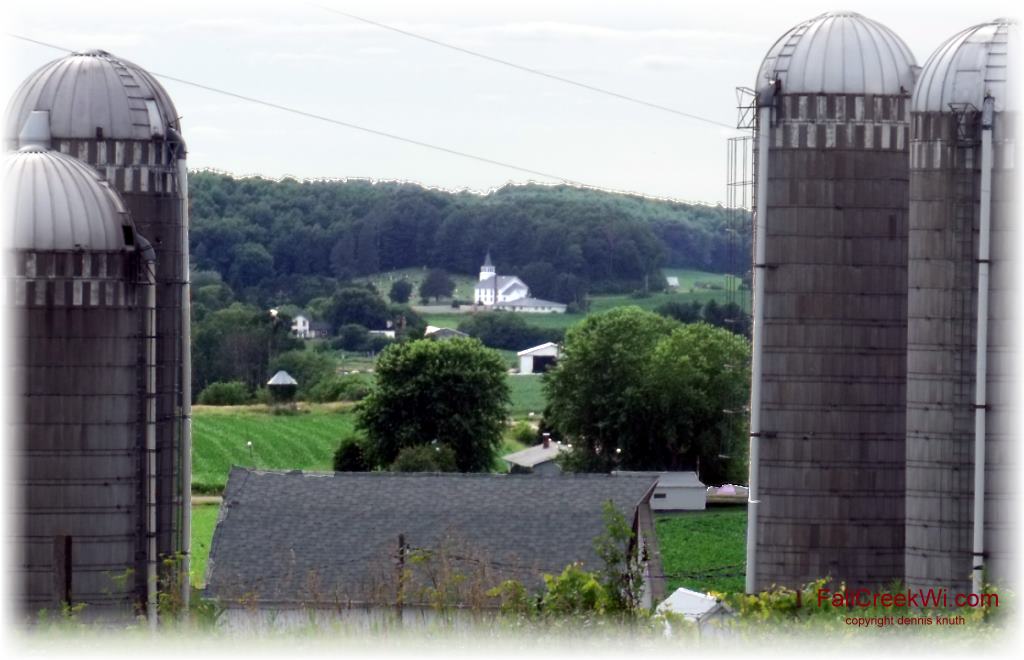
286,241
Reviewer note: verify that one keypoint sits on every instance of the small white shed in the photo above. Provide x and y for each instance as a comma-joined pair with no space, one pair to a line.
538,359
694,606
677,491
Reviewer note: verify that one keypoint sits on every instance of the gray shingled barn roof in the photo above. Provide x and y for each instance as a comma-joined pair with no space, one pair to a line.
294,537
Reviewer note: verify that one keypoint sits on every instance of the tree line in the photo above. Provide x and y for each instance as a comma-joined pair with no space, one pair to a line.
288,241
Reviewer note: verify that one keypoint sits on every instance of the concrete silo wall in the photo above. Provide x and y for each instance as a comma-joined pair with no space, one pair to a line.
78,436
145,174
943,278
834,362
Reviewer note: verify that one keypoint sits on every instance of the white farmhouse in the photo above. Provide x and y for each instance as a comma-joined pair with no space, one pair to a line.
300,327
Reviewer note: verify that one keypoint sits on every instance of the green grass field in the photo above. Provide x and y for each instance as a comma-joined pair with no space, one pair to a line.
707,547
689,290
382,281
204,519
306,441
527,396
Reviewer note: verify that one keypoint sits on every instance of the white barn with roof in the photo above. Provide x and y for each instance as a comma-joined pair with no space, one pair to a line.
538,359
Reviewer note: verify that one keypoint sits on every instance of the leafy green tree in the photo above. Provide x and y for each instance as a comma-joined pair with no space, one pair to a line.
507,330
634,390
700,384
541,277
684,312
233,393
306,367
453,392
595,394
237,343
250,265
350,455
359,305
436,285
351,337
729,316
400,291
425,458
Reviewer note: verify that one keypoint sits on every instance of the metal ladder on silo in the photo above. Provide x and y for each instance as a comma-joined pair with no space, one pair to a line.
788,48
965,203
136,102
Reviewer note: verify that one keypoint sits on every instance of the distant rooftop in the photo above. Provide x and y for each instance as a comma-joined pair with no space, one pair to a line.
535,455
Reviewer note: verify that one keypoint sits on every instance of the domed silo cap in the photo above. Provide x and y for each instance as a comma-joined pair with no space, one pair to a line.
839,52
282,379
969,66
53,202
93,95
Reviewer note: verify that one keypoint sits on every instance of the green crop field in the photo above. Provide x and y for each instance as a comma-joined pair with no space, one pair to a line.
305,441
709,547
204,519
527,396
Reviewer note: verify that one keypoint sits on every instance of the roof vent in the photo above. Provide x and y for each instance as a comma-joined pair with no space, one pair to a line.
35,132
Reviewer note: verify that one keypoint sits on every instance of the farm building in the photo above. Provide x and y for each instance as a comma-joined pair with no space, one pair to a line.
531,306
538,459
434,332
827,410
676,491
294,541
538,359
964,329
112,117
698,608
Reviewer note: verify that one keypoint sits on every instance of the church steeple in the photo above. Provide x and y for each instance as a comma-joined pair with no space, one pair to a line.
487,270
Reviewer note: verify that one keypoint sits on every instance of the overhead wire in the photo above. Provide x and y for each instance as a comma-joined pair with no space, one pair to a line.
526,69
337,122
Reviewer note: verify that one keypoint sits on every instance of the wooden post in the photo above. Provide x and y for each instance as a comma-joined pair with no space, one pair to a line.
400,563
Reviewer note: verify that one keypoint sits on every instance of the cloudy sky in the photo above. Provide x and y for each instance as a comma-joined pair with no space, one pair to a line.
686,55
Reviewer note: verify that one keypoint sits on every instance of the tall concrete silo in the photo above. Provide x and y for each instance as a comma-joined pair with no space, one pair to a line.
829,354
113,115
962,279
79,290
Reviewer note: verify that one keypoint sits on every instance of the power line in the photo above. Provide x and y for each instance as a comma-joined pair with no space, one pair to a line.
520,67
331,120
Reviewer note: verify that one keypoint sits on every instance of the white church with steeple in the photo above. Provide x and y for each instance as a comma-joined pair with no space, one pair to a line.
493,288
508,292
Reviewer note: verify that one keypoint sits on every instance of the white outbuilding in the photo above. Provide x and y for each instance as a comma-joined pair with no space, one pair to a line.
538,359
701,609
677,491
